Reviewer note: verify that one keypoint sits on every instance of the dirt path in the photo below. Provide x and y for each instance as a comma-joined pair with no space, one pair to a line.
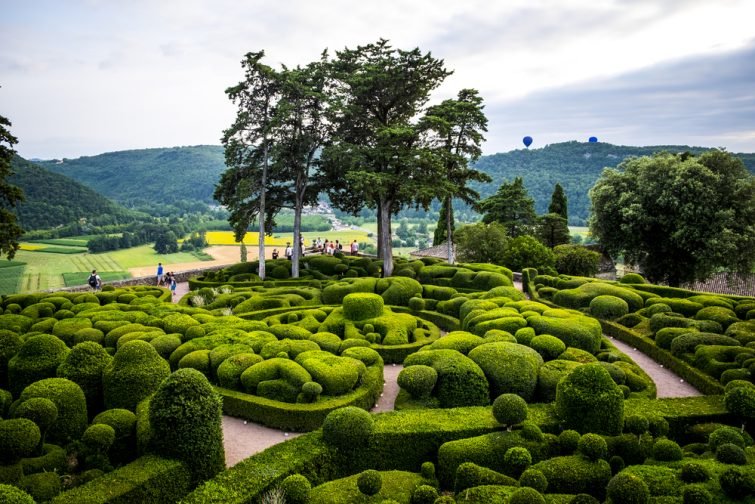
222,255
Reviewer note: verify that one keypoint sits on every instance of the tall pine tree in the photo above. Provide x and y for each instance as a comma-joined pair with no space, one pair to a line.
558,202
10,195
446,215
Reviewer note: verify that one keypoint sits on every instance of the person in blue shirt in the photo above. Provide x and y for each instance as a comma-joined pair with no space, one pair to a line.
159,273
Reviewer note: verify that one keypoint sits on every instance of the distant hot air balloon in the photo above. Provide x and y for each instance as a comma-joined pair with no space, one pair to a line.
527,141
593,139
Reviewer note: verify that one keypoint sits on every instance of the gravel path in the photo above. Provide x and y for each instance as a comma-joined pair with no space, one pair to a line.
242,439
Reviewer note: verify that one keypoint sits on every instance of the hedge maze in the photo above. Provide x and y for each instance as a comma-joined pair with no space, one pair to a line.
118,396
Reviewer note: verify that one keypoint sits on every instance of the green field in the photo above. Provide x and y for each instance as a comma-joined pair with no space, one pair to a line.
81,277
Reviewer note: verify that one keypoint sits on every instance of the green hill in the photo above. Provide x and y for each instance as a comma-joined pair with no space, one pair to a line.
575,165
53,200
136,177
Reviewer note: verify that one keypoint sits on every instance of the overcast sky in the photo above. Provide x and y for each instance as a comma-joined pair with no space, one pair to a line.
82,77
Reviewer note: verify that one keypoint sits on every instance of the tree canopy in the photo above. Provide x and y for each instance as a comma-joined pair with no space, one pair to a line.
512,207
678,217
558,203
10,195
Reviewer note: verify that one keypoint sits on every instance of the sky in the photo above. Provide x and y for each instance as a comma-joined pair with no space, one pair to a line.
83,77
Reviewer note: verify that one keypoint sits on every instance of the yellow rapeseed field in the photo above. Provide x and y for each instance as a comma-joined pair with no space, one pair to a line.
227,238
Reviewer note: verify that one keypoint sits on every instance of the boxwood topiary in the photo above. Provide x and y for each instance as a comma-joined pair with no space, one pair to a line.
508,367
42,486
667,450
198,359
185,415
84,365
574,474
625,488
729,453
71,403
296,489
736,483
36,359
593,446
568,441
98,438
588,400
347,428
580,332
469,475
510,409
584,499
526,495
516,460
19,438
696,495
123,423
461,382
361,306
418,380
608,307
42,412
369,482
10,494
337,375
230,370
134,374
693,472
549,347
424,494
533,478
725,435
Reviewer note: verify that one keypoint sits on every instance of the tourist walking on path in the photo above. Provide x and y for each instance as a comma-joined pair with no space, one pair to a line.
95,282
173,285
159,273
354,248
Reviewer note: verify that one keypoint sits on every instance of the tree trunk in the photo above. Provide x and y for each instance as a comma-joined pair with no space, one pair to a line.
379,231
263,190
449,232
297,237
385,244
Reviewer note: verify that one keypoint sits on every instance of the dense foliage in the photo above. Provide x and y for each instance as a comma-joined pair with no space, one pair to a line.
10,194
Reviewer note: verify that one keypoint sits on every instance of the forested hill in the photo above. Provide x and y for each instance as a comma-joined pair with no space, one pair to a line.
136,177
52,200
575,165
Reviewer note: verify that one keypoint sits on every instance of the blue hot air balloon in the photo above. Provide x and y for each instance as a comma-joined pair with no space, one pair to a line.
593,139
527,141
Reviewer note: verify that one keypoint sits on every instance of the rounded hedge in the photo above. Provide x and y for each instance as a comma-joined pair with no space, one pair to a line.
625,488
724,435
424,494
418,380
230,370
71,403
568,441
729,453
509,368
427,470
98,437
549,347
584,499
18,439
38,358
534,478
133,375
369,482
593,446
10,494
39,410
632,278
692,472
42,486
608,307
667,450
296,489
516,460
526,495
84,365
347,428
461,382
362,305
510,409
617,464
185,415
696,495
636,424
736,484
588,400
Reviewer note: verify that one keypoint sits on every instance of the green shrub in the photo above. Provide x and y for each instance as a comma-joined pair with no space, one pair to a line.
84,365
230,370
692,472
360,306
723,316
574,474
583,333
71,404
608,307
67,328
581,296
88,334
664,337
625,488
296,489
41,486
133,375
568,441
98,437
337,375
736,484
696,495
509,409
461,341
576,260
460,382
369,482
42,412
427,470
550,374
424,494
549,347
729,453
667,450
593,446
123,423
10,494
19,438
526,251
185,416
36,359
688,342
347,428
740,401
588,400
526,495
508,367
632,278
617,464
276,378
516,460
418,380
533,478
198,359
678,305
470,475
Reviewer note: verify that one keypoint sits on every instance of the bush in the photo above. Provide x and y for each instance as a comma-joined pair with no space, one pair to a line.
584,499
534,479
427,470
527,252
133,375
509,368
516,460
39,410
588,400
424,494
296,489
509,409
185,417
360,306
729,453
461,382
526,495
369,482
469,475
12,495
41,486
71,404
593,446
580,332
725,435
692,472
667,450
696,495
736,484
740,401
632,278
574,474
98,437
18,439
617,464
230,370
625,488
418,380
608,307
549,347
36,359
84,365
568,441
123,423
576,260
636,424
347,428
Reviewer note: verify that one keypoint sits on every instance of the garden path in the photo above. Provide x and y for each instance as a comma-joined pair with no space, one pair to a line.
243,439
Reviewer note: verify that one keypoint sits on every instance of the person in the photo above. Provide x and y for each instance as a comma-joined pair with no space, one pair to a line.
331,248
275,253
173,284
325,246
354,248
289,251
319,244
95,282
339,246
160,273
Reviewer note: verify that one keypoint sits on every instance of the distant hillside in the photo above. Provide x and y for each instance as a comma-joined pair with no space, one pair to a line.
575,165
53,200
173,174
135,177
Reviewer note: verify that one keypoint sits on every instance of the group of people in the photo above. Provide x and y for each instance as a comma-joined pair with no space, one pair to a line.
168,278
318,246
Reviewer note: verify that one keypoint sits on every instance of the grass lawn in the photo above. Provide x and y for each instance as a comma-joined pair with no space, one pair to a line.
145,255
10,276
279,240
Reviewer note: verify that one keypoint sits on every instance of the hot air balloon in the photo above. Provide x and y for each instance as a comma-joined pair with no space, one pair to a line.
527,141
593,139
